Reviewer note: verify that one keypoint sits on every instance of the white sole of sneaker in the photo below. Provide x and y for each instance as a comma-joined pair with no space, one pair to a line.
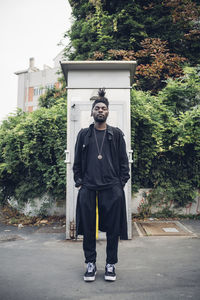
92,278
110,278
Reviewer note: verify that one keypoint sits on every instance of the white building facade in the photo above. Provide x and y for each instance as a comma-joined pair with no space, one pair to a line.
33,82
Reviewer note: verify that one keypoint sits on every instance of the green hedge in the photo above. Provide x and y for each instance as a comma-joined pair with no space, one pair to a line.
166,140
32,154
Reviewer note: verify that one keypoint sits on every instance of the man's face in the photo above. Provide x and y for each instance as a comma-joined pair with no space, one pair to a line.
100,112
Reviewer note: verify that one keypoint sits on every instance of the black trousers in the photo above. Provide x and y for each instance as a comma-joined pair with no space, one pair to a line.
109,206
89,248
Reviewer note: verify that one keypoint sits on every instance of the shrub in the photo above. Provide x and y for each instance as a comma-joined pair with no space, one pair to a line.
32,154
165,140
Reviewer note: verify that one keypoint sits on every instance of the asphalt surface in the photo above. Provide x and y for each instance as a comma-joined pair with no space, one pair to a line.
38,263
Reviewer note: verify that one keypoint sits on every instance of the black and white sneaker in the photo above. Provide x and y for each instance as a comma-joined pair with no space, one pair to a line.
90,272
110,274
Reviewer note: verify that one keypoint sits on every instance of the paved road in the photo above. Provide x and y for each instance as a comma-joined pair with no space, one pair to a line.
43,265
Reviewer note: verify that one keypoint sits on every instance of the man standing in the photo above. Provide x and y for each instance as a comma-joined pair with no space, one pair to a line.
101,171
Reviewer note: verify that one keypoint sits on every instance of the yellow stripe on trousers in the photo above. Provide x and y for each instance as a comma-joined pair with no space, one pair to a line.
97,217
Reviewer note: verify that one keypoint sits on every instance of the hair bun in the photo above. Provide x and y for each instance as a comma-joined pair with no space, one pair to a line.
101,92
100,98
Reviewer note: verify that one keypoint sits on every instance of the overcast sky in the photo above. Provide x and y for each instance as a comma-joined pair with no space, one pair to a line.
28,28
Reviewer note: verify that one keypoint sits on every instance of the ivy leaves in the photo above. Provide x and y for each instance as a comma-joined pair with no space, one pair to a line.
32,153
165,140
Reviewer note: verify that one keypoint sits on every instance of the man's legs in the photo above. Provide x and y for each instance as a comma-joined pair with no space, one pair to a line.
87,205
88,217
112,249
110,208
112,257
89,247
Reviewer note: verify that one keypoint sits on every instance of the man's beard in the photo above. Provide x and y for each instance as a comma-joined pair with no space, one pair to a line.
100,119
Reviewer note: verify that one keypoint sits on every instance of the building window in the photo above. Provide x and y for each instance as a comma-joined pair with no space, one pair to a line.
38,91
49,86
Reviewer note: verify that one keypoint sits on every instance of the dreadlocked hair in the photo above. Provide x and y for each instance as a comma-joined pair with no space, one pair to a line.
101,92
100,98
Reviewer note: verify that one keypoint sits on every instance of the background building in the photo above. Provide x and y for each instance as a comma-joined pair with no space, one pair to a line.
33,82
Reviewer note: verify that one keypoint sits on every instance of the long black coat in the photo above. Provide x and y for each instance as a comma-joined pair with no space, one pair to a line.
120,163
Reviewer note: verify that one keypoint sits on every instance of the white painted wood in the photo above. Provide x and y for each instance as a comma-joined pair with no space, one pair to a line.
82,79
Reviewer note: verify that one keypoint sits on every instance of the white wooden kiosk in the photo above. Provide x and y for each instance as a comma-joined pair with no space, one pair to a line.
83,79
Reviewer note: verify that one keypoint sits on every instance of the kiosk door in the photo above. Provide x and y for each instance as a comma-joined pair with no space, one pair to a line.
80,117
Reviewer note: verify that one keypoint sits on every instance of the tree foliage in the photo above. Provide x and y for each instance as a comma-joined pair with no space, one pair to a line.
177,22
155,63
160,35
32,152
165,139
101,25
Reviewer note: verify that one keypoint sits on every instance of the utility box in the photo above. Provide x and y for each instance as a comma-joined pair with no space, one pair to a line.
83,79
